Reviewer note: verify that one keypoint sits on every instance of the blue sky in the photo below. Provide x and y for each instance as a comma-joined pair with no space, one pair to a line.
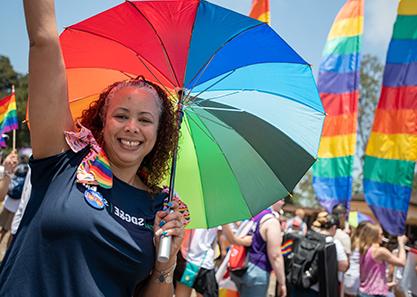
304,24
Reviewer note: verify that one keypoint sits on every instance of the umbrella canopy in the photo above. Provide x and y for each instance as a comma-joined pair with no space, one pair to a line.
252,113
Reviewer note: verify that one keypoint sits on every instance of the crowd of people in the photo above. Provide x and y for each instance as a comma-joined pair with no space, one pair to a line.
328,258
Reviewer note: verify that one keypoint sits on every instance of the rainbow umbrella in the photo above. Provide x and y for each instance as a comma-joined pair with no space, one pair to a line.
252,114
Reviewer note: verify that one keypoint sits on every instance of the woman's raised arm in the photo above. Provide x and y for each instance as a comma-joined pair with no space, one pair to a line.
49,114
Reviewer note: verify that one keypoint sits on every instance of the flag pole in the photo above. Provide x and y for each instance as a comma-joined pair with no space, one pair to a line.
14,131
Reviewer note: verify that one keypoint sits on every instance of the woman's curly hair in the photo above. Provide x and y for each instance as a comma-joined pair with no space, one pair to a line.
156,164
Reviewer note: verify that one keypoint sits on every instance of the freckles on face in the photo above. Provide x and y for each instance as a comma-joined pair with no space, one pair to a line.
131,125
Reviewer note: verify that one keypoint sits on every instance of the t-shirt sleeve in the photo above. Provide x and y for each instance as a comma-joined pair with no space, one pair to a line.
44,170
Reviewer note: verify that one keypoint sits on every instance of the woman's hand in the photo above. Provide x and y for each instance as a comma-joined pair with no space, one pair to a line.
10,162
402,240
169,223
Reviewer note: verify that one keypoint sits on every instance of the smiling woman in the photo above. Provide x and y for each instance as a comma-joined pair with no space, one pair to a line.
139,111
95,207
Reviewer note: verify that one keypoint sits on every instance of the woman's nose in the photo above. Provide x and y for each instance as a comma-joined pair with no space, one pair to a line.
131,126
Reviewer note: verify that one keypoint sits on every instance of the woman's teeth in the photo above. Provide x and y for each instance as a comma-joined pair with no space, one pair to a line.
129,143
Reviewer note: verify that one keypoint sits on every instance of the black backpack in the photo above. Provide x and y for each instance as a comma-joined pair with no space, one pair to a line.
303,269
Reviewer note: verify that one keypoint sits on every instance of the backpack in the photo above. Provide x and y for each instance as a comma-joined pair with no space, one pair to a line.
304,265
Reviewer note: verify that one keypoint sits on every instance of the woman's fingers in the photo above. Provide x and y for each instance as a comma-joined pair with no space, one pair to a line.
169,222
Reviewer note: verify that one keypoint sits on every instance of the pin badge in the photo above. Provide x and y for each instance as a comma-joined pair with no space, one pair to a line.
95,199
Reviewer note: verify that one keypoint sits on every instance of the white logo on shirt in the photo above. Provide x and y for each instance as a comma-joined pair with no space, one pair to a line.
128,218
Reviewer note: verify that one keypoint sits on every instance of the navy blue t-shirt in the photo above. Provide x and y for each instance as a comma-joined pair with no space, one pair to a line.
65,247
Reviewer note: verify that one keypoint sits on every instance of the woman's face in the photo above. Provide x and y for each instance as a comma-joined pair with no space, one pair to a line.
380,235
131,126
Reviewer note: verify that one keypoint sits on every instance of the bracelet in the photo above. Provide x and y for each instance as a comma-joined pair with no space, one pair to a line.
165,276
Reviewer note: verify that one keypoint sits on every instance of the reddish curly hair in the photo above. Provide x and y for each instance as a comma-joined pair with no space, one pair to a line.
156,164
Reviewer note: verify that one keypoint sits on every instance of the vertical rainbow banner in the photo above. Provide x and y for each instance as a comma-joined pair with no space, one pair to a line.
260,11
392,145
338,84
8,116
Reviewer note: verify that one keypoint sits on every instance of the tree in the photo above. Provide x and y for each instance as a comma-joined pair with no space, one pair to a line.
303,194
370,87
9,77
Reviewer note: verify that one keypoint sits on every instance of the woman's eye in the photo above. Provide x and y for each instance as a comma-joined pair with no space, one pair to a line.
145,120
121,116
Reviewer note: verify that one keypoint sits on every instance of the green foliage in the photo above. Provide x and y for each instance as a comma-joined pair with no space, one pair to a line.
370,87
9,77
303,194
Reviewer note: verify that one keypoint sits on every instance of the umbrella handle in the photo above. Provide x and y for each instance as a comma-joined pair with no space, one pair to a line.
164,249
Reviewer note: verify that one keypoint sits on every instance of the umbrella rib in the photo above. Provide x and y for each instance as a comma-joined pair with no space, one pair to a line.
205,65
118,42
214,122
202,130
156,78
217,97
217,108
160,40
233,129
224,155
210,86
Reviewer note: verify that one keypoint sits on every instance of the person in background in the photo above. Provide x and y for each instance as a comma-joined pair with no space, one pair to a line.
343,230
297,224
352,275
264,256
343,235
13,182
326,225
197,250
24,155
374,259
27,190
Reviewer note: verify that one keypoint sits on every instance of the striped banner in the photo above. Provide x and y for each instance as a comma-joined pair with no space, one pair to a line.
8,116
338,84
392,147
260,11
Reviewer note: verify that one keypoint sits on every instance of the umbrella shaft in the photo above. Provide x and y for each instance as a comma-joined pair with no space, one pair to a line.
180,115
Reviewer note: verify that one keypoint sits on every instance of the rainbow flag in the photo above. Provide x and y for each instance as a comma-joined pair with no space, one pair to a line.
8,116
260,11
338,84
392,146
286,247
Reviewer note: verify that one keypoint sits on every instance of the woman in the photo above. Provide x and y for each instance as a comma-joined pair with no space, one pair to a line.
264,256
326,225
374,259
351,279
7,173
89,227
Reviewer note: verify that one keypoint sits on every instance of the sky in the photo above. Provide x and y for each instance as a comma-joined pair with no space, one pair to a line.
304,24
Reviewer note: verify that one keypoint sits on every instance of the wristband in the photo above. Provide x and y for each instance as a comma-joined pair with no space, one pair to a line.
164,276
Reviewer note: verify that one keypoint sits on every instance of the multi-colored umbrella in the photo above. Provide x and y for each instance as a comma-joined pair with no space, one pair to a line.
252,113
